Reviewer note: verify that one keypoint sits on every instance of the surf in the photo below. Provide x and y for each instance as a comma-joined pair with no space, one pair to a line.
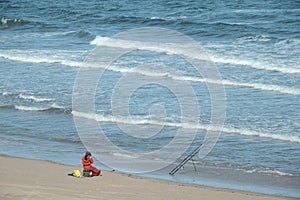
52,108
62,57
187,50
142,121
47,57
34,98
168,75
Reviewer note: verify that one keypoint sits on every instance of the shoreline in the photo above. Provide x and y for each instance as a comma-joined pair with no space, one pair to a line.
41,179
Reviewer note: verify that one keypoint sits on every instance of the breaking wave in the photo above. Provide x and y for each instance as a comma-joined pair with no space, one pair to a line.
68,58
47,57
33,98
53,108
189,126
185,50
10,22
258,86
270,171
256,65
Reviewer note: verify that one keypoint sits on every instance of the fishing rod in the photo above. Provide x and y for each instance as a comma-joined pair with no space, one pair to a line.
185,160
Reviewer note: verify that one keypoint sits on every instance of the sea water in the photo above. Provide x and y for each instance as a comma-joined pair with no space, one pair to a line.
254,45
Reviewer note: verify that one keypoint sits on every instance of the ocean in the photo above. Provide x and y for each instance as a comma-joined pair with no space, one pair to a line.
151,95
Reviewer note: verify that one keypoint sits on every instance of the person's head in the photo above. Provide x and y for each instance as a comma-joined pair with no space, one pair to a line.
88,153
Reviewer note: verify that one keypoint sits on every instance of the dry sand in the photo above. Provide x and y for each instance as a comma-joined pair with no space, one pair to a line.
34,179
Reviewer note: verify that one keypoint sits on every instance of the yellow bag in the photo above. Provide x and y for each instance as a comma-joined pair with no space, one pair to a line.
77,173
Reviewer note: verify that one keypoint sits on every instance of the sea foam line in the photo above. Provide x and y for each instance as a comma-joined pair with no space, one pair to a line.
33,98
53,107
42,56
187,50
258,86
256,65
30,108
188,126
36,59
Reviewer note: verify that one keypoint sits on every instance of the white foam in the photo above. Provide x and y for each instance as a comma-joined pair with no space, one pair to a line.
5,21
275,172
37,56
157,18
255,38
185,49
33,98
122,155
55,105
269,171
188,126
91,116
265,87
7,93
42,56
257,65
29,108
247,132
288,43
258,86
188,50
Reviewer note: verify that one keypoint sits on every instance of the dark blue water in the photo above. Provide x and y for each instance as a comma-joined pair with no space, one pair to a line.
254,45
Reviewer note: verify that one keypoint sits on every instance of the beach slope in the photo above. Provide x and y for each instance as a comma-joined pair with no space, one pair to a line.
35,179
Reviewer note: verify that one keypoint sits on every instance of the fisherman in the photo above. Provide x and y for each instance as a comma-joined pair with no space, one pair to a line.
87,162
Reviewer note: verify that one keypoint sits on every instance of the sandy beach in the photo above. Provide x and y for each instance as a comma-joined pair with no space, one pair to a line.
34,179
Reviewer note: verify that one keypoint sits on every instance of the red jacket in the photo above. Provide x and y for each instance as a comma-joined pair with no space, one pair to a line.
87,162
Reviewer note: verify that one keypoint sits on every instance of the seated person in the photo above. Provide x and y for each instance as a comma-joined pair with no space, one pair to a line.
87,162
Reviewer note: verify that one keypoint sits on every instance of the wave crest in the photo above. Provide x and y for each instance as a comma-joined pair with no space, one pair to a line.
138,120
10,22
53,108
186,50
34,98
